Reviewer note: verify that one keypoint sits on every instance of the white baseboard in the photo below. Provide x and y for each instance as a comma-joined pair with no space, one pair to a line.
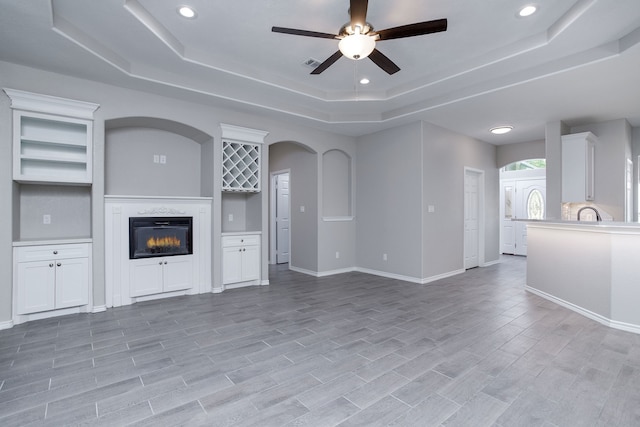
389,275
99,308
628,327
7,324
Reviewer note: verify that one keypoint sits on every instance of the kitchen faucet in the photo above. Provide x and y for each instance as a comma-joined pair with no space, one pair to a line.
598,217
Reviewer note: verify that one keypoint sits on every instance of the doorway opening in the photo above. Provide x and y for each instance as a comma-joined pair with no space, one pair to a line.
523,192
280,240
473,218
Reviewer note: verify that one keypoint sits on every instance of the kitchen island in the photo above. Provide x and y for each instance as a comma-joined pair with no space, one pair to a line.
592,268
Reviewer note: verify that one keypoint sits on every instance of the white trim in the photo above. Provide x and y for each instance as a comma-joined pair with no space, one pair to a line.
490,263
237,133
481,215
99,308
50,104
272,215
337,218
628,327
7,324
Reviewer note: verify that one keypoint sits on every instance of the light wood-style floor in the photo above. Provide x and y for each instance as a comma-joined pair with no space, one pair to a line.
349,350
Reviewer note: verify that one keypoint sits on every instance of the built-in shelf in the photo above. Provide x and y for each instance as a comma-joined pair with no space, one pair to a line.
52,139
241,158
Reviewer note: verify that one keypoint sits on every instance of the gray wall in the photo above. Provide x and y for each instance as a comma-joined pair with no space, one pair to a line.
389,202
553,154
336,184
509,153
303,179
130,169
611,151
68,206
446,154
7,207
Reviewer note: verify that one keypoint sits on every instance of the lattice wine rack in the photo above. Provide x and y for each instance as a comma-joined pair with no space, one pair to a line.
240,166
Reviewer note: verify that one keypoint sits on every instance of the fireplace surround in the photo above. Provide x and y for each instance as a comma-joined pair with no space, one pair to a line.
128,280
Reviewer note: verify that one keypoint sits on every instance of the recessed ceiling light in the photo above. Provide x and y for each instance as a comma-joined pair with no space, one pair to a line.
364,81
187,12
500,130
527,10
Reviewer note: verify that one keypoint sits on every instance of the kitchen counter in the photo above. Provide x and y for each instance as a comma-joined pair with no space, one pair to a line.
592,268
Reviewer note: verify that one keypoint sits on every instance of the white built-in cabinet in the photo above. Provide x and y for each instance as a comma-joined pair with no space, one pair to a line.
240,259
578,167
52,139
51,277
158,275
52,145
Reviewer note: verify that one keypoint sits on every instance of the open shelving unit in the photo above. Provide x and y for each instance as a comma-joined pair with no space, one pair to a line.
240,166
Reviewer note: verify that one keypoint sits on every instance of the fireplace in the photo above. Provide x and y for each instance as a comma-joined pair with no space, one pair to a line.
160,236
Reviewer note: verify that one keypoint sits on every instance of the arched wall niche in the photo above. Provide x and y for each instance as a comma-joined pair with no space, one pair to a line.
336,184
148,156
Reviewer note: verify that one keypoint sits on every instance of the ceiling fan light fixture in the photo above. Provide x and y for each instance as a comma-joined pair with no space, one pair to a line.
357,46
501,130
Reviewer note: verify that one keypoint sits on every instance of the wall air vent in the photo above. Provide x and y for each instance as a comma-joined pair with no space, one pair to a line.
311,63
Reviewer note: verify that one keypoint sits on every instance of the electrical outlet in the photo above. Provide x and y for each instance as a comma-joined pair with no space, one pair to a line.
156,158
384,257
230,217
301,208
163,159
431,209
46,219
337,255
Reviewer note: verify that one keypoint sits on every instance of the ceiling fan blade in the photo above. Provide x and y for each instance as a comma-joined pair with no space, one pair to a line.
411,30
306,33
383,62
358,11
327,63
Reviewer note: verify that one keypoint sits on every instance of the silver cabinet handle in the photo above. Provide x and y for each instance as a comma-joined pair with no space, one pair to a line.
59,264
165,263
51,265
55,252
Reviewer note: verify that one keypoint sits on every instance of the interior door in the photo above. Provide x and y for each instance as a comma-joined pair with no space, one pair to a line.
507,211
282,218
471,219
530,204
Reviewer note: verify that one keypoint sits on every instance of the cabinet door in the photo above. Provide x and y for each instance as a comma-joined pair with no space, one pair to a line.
145,277
250,263
231,265
177,273
36,286
72,282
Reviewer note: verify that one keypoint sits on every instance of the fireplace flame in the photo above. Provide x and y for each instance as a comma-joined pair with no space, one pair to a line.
163,242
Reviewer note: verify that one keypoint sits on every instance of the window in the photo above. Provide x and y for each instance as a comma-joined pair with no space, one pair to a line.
535,205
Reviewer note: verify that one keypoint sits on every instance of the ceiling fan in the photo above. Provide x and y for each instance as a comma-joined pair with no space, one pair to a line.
358,38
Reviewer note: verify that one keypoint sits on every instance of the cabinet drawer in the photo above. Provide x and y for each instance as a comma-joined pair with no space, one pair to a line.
241,240
48,252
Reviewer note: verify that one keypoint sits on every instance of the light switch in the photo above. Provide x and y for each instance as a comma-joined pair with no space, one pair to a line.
163,159
156,158
301,208
431,209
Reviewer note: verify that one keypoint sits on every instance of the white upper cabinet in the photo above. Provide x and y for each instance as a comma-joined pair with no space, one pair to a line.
52,139
578,167
241,158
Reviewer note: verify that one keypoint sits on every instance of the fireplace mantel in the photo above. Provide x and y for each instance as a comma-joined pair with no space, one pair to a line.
122,273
